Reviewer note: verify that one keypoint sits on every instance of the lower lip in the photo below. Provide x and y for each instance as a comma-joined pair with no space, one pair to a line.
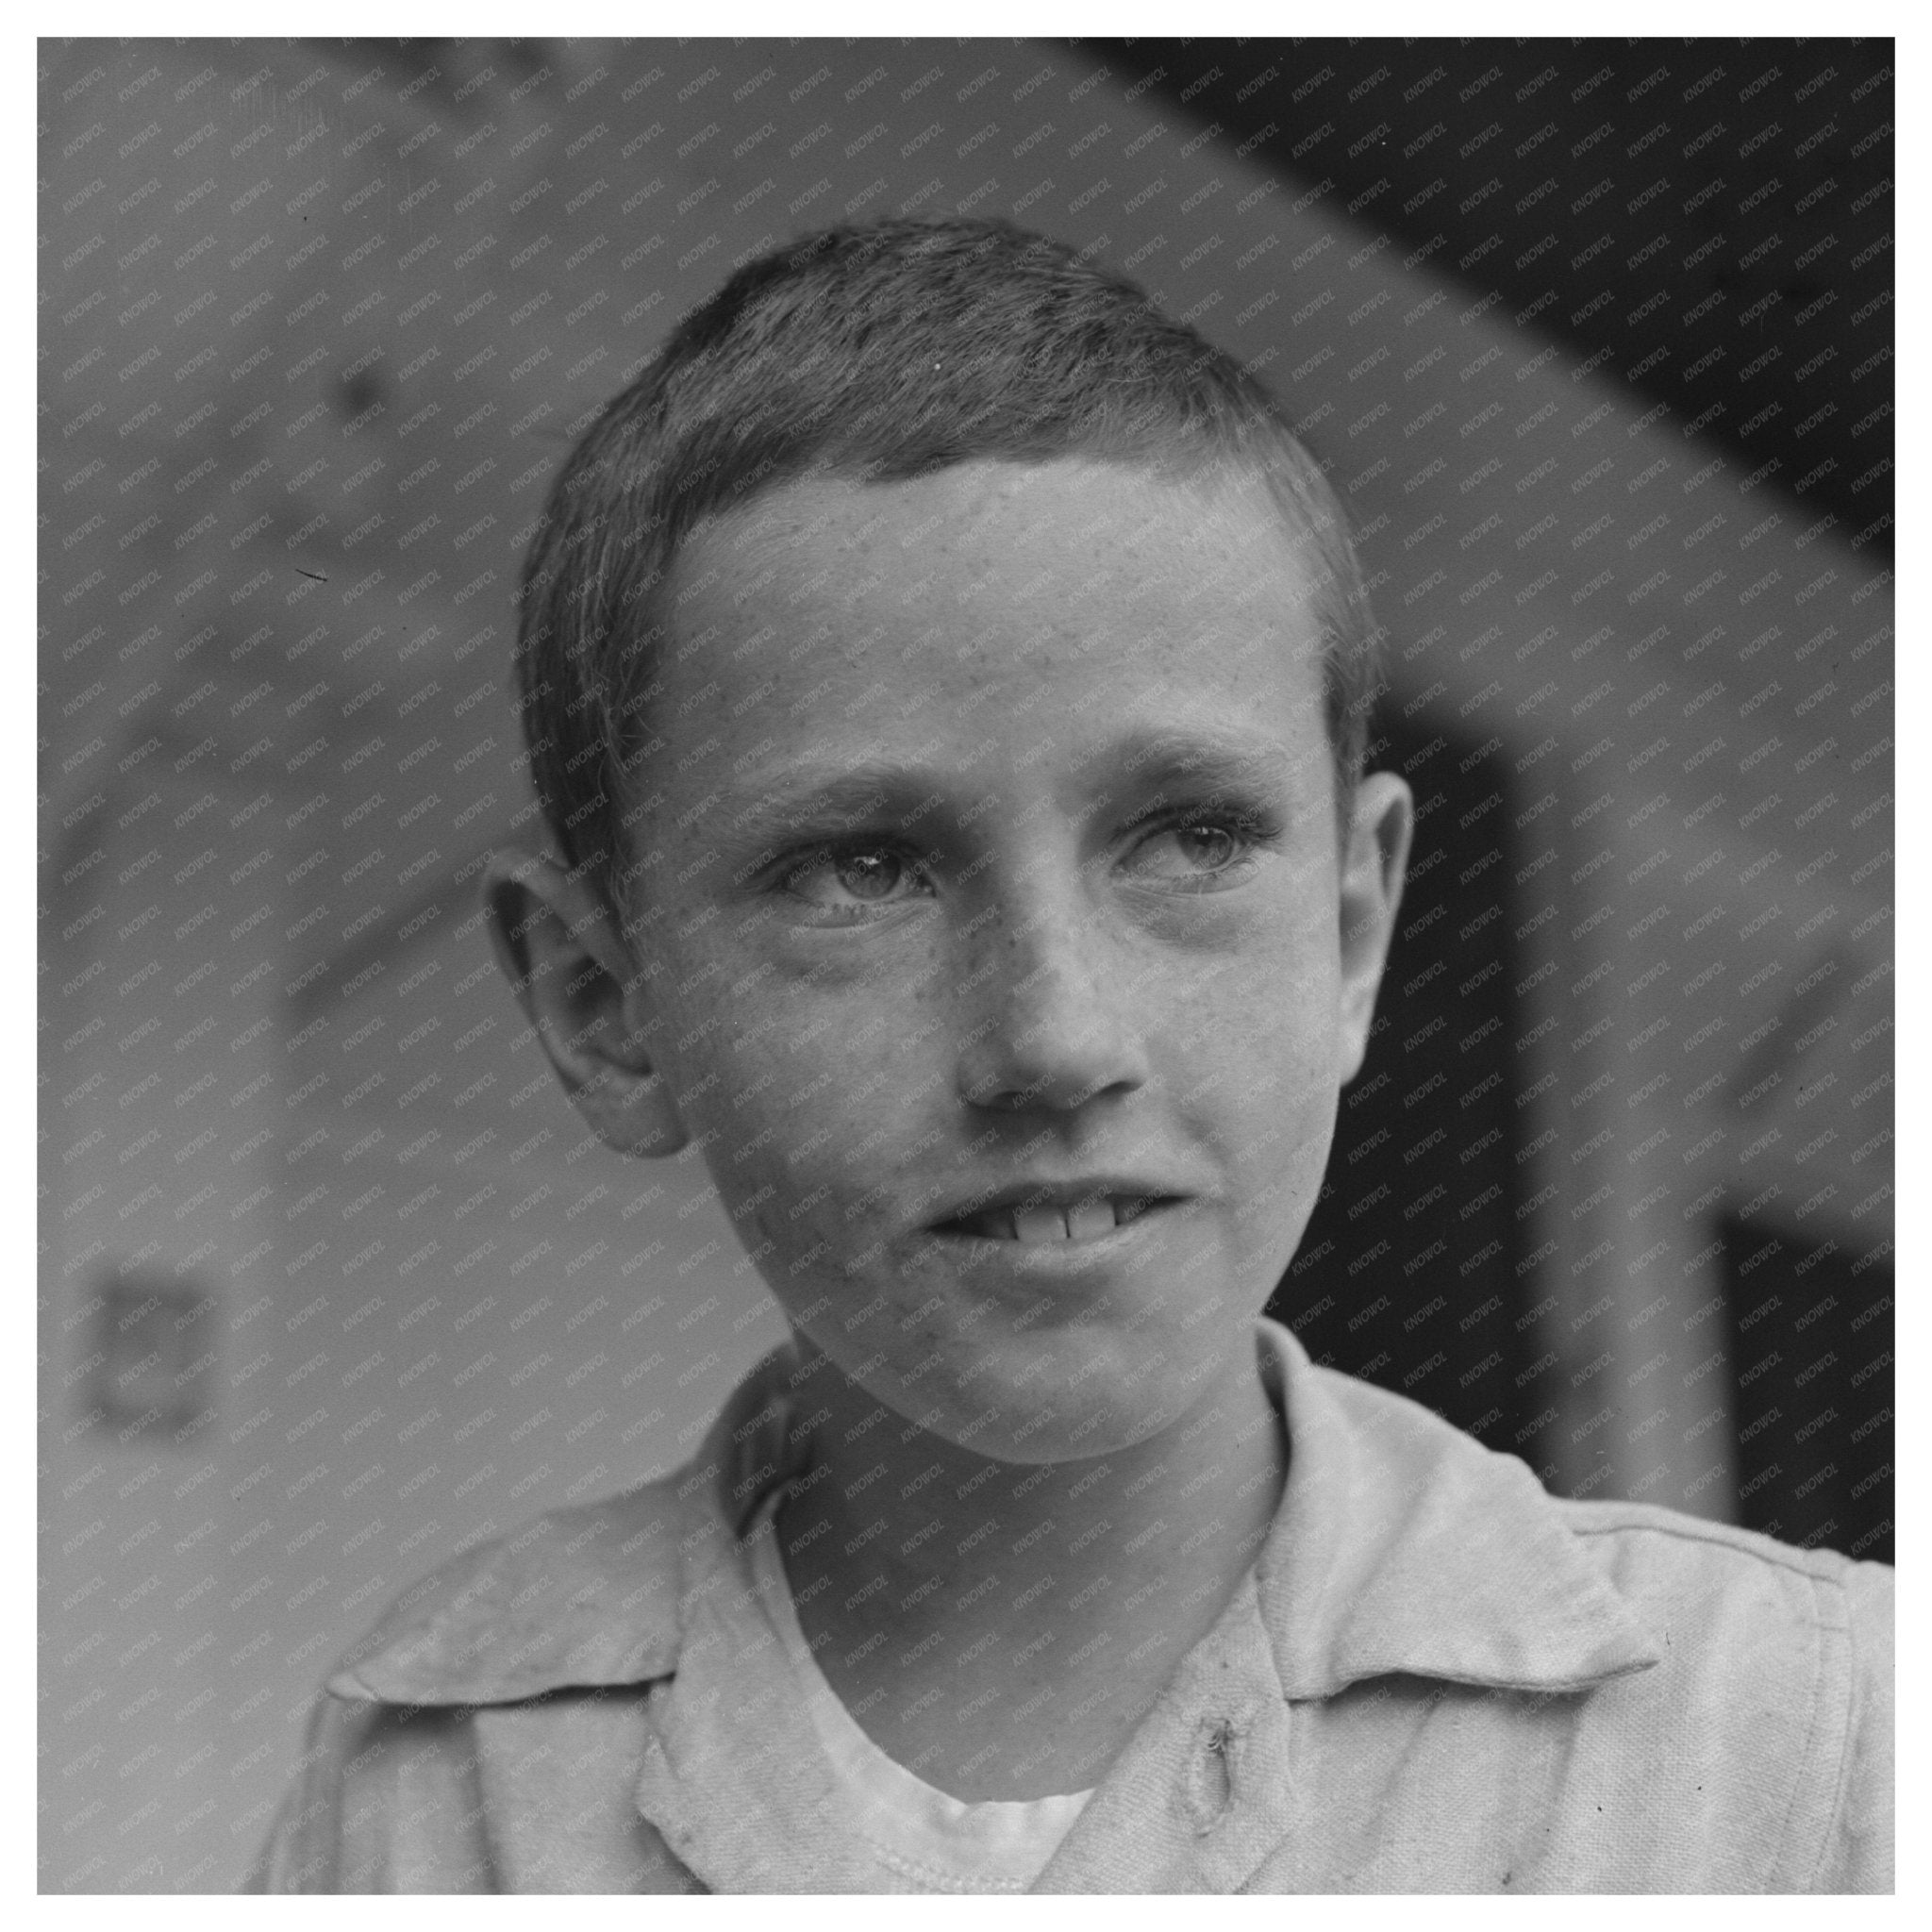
1048,1256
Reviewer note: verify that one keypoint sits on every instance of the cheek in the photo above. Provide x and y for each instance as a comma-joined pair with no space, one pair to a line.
797,1091
1276,995
1259,1049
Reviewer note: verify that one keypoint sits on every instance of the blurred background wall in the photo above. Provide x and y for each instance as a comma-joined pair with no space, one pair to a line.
331,1280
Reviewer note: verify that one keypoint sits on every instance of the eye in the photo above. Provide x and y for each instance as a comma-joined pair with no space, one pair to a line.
1196,855
849,883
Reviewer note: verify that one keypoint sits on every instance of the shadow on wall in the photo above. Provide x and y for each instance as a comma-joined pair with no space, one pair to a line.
333,1283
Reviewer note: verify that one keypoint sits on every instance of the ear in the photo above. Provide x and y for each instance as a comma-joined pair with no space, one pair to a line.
1375,859
564,954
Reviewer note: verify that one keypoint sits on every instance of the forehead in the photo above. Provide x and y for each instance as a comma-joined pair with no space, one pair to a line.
1014,631
1007,551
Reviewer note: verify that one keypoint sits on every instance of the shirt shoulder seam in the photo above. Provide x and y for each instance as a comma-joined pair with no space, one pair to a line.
1841,1778
1689,1529
1825,1631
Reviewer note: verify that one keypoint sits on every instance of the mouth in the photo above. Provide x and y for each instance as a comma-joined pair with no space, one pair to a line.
1041,1220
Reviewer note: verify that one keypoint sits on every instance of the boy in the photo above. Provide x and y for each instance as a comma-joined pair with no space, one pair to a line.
946,683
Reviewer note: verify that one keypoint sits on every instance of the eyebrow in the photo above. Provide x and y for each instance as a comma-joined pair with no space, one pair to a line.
815,800
1225,758
818,801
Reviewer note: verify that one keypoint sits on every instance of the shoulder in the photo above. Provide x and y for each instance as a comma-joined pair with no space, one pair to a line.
1666,1558
1788,1656
1664,1561
588,1597
564,1625
581,1597
571,1619
1733,1605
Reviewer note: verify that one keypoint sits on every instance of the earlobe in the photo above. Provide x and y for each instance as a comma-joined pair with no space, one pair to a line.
564,954
1375,863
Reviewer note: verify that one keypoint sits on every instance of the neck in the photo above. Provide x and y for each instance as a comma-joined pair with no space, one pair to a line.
916,1562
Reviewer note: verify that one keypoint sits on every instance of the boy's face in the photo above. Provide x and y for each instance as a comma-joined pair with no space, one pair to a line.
993,853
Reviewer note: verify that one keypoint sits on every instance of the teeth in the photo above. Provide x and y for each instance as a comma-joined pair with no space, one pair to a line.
1035,1224
1085,1220
1088,1219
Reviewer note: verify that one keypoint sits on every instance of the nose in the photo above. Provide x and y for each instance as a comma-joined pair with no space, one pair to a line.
1048,1015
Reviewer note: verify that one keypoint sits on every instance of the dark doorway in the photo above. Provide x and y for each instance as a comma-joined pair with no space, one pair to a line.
1408,1275
1811,1364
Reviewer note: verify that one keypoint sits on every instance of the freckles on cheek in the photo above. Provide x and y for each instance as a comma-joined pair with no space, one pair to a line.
926,981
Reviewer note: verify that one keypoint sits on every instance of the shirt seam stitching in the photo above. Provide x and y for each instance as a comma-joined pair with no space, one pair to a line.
1841,1783
917,1868
1774,1558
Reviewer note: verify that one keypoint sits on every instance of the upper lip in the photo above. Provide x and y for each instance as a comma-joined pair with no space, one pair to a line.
1056,1193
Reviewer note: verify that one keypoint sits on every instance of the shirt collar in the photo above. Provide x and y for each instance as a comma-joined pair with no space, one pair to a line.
584,1598
1400,1545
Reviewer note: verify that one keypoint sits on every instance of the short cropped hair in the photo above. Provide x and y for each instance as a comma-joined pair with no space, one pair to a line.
879,352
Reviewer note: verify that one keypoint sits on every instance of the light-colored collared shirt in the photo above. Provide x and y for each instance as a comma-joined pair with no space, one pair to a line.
1435,1677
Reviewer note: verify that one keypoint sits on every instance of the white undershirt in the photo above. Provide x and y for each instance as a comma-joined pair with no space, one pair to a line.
931,1840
